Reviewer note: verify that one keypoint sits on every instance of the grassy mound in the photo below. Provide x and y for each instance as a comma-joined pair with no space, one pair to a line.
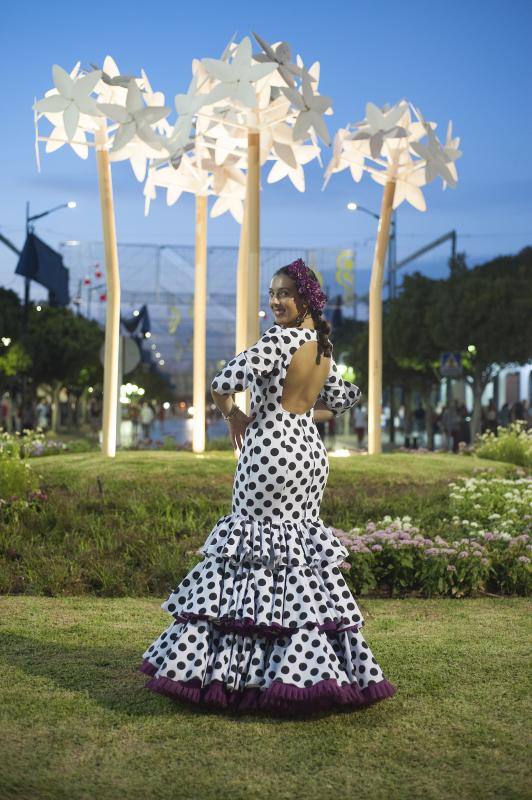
131,525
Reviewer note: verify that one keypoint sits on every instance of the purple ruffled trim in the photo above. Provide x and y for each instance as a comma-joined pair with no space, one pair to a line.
247,626
281,697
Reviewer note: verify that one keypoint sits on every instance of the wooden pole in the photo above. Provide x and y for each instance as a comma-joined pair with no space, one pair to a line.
375,322
112,320
253,211
241,339
200,325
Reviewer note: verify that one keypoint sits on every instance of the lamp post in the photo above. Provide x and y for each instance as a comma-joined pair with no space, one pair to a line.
392,251
29,229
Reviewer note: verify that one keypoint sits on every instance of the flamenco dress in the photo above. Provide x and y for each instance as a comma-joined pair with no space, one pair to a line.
266,620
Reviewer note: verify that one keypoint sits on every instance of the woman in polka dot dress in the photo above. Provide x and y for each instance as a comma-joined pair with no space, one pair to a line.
266,621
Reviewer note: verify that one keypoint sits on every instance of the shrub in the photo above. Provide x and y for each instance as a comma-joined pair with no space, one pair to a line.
512,444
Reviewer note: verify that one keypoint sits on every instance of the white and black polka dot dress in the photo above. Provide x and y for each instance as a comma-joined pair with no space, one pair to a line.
266,620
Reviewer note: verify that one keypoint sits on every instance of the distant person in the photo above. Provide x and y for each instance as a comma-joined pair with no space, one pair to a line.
161,415
528,413
504,415
42,411
449,423
134,416
63,405
95,414
360,424
491,417
147,416
419,425
463,432
28,416
6,413
457,421
518,411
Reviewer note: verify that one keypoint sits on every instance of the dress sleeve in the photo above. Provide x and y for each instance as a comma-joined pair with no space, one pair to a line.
258,361
338,394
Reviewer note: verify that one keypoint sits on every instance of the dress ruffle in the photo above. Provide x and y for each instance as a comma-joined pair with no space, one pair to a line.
255,599
279,697
274,544
229,669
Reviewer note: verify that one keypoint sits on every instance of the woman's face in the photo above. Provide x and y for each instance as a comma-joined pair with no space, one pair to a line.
284,299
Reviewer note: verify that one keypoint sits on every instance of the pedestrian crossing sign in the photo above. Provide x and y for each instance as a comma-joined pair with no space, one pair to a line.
451,365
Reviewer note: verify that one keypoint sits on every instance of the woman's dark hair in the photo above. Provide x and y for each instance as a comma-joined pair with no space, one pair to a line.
322,325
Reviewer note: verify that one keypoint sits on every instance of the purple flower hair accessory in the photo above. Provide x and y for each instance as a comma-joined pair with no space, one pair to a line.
307,286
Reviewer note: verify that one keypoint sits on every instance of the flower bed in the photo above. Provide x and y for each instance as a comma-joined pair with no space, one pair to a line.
487,551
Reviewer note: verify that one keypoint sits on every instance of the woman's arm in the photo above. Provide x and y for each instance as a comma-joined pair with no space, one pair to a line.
224,402
322,412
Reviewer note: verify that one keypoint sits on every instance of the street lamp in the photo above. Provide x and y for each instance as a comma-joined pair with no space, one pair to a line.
392,252
70,204
357,207
29,229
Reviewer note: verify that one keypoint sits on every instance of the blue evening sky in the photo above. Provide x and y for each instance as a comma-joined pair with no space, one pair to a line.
468,61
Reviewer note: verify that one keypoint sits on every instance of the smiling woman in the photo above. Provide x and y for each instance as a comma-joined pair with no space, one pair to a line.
266,620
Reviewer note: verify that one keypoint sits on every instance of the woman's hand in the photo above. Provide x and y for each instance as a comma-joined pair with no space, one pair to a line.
237,427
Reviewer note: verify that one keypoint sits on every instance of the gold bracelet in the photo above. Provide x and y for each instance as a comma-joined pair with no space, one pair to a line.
233,411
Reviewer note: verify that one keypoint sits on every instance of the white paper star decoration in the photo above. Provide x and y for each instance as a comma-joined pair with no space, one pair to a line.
84,103
71,98
388,144
236,78
228,98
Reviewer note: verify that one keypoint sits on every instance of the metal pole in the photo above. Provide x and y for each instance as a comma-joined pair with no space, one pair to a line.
26,278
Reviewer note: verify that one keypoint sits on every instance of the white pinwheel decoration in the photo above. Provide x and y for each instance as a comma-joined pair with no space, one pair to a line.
72,97
81,102
135,119
230,97
387,144
311,109
303,154
237,77
280,54
380,124
439,158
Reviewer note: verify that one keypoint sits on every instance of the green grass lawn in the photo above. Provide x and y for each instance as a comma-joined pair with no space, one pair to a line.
77,721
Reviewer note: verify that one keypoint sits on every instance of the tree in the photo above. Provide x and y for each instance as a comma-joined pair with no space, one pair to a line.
14,358
10,314
484,312
154,382
64,349
409,336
